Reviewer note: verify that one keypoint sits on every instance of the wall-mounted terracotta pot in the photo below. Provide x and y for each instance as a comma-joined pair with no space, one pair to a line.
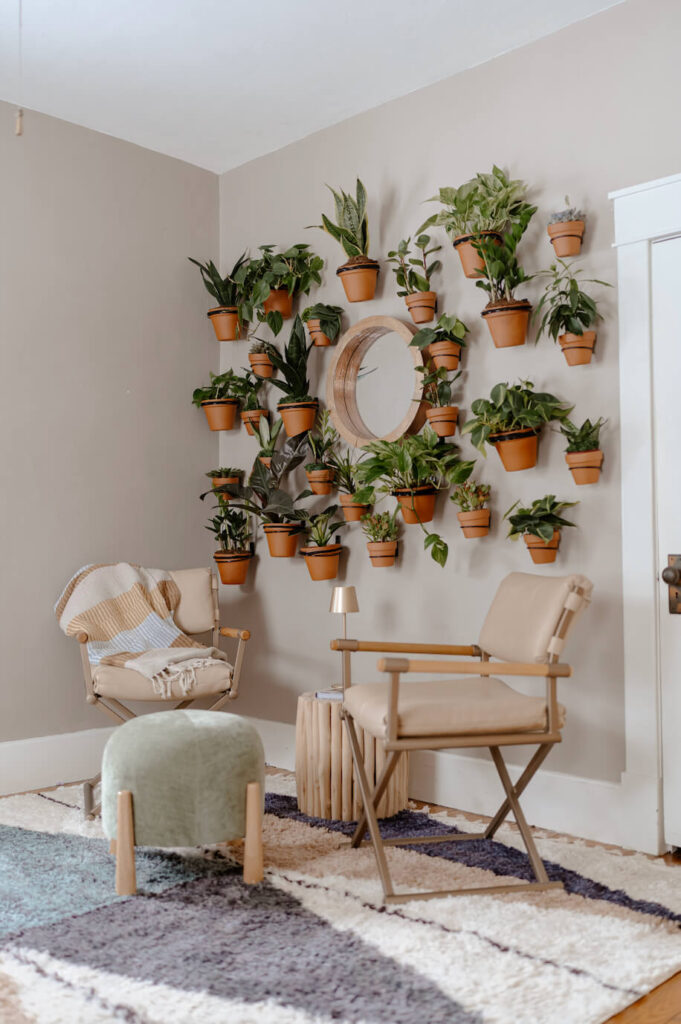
279,301
317,335
225,321
266,460
359,279
220,412
566,238
422,306
282,539
578,348
382,553
233,565
320,480
322,562
298,416
443,419
517,449
251,416
508,322
444,354
471,260
585,466
417,504
218,481
352,511
261,364
542,551
475,523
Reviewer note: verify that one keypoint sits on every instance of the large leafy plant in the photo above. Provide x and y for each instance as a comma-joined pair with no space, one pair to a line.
413,273
292,366
263,496
231,529
296,269
488,202
582,439
221,386
230,290
502,273
564,307
322,440
540,519
448,328
329,318
351,227
512,407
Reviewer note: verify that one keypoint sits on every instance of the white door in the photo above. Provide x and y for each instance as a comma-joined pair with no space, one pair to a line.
666,310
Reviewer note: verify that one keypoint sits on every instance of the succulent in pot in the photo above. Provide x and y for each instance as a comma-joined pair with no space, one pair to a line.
506,316
218,401
442,344
413,275
539,526
355,500
267,438
381,531
474,516
225,475
583,453
230,292
258,357
437,395
351,229
323,323
511,419
320,471
233,535
567,314
566,230
298,408
290,272
322,557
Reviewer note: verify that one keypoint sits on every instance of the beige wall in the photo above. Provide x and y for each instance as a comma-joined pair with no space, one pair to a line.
585,111
102,340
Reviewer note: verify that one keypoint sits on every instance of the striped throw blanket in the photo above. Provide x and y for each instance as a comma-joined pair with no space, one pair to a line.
127,613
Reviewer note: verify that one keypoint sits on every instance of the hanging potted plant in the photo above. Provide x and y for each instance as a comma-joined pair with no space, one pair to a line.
569,315
232,534
323,323
321,556
437,395
442,344
261,364
229,293
583,454
355,501
320,471
381,530
539,526
413,276
298,408
218,401
225,475
506,317
360,274
286,274
267,438
511,419
566,230
474,516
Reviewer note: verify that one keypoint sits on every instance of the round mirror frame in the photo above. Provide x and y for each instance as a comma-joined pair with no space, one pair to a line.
341,381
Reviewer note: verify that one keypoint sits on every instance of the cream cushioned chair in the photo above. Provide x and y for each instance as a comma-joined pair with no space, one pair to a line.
525,629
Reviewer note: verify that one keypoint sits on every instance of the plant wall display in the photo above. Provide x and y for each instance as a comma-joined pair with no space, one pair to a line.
442,344
232,534
539,525
230,292
351,229
566,230
506,316
381,531
323,323
298,408
474,516
413,275
320,471
218,401
583,453
322,557
567,314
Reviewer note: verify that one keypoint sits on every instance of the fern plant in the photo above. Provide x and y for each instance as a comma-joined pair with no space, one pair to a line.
351,227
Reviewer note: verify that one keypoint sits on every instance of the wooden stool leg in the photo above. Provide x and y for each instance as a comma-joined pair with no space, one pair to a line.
126,882
253,863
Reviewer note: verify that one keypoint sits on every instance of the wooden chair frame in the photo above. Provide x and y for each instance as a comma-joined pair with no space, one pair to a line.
121,713
395,746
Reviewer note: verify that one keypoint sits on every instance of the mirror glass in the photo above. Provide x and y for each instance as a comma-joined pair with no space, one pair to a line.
385,384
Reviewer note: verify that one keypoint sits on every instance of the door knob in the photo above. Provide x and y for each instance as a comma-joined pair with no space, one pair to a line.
672,576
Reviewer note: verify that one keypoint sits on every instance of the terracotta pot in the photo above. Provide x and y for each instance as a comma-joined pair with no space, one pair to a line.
282,539
443,419
233,565
279,301
317,335
578,348
322,562
251,416
471,260
218,481
225,321
585,466
382,552
475,523
566,238
518,449
298,416
444,354
359,279
261,364
418,505
352,512
266,460
220,412
542,551
320,480
507,322
422,306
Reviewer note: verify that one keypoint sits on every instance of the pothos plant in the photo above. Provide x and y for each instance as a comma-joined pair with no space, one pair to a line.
413,273
488,202
512,407
448,328
564,307
230,528
502,273
437,385
221,386
540,519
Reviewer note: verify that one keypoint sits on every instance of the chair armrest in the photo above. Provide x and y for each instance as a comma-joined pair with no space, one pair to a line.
82,638
235,634
476,668
242,635
403,648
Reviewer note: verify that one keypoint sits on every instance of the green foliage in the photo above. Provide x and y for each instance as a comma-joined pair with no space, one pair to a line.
259,346
292,366
471,496
570,213
381,526
329,318
321,526
415,460
564,307
412,273
351,227
322,440
448,328
230,290
264,496
437,385
502,273
220,386
540,519
225,471
347,477
511,407
246,388
231,529
582,439
488,202
267,435
296,269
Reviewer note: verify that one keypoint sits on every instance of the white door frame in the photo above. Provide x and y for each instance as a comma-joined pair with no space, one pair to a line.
644,214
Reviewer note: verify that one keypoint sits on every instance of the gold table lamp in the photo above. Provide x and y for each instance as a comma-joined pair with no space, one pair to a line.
344,601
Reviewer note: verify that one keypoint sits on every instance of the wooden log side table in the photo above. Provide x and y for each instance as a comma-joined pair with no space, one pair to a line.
325,778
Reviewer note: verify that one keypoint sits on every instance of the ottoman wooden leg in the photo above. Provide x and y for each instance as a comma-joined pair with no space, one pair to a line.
253,862
126,882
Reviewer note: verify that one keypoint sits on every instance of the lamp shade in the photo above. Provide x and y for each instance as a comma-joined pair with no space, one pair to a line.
344,599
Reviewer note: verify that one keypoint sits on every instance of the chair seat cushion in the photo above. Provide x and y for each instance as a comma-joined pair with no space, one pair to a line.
464,706
126,684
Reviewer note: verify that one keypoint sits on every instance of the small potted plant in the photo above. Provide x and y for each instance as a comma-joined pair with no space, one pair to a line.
233,536
246,388
360,273
539,526
225,475
413,276
229,292
321,556
288,273
437,395
355,501
569,315
566,230
267,438
472,500
320,471
323,323
218,401
381,530
442,344
261,364
506,316
583,453
298,408
511,419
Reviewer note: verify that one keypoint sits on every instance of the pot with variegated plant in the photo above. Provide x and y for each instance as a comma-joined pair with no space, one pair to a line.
567,314
583,453
218,401
351,229
472,499
381,530
321,554
323,323
297,408
566,230
232,533
320,471
356,500
230,292
540,526
413,276
442,344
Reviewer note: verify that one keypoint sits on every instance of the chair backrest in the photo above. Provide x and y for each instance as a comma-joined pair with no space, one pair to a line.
195,613
527,619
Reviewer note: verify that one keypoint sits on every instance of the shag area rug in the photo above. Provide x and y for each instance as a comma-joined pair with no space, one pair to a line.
312,943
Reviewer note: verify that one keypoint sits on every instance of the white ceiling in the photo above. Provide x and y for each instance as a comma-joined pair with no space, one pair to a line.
219,82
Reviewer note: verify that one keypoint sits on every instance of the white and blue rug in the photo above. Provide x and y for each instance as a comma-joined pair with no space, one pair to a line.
312,944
